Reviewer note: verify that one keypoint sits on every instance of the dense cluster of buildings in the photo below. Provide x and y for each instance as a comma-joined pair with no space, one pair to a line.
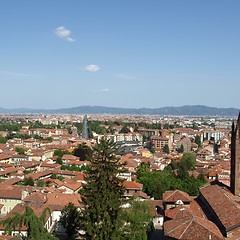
213,140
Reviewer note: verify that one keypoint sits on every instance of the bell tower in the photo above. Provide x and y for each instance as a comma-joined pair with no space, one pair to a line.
235,158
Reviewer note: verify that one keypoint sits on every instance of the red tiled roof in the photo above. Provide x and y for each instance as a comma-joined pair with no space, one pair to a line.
174,195
192,228
223,204
178,212
69,157
62,199
132,185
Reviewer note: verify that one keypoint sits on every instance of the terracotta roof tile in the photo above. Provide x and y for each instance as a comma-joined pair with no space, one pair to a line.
222,203
132,185
189,228
174,195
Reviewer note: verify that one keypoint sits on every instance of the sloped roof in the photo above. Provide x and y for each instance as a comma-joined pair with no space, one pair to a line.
178,212
36,197
192,227
132,185
222,203
174,195
62,199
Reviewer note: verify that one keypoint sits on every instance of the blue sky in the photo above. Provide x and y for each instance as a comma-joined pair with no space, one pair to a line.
119,53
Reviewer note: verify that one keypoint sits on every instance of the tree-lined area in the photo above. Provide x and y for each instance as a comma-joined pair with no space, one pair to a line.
175,176
102,215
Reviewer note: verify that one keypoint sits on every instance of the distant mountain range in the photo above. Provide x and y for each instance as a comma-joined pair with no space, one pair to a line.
195,110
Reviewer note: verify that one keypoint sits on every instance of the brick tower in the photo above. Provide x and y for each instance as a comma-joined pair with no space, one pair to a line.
235,158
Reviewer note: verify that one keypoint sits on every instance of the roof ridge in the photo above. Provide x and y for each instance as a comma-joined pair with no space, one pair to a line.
178,225
232,201
207,225
187,227
171,193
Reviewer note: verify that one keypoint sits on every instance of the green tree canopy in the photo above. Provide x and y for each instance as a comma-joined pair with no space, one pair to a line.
198,141
34,225
142,168
3,139
103,193
135,221
60,152
124,129
70,219
83,151
28,181
166,149
20,150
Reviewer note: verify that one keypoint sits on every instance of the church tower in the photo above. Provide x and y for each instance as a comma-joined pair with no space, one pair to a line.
235,158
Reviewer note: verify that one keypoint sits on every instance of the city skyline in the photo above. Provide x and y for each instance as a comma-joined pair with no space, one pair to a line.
129,54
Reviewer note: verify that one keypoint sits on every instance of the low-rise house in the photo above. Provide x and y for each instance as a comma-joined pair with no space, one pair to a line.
49,166
7,171
11,196
18,159
5,158
71,187
68,157
134,189
174,198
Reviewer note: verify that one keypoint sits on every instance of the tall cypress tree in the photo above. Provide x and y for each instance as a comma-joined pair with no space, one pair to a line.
103,193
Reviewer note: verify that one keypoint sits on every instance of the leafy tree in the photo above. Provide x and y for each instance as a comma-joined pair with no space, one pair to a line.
198,141
34,225
10,126
124,129
155,183
3,139
201,177
60,152
20,150
166,149
49,139
195,126
168,126
186,164
150,147
142,168
83,151
102,195
188,160
28,181
70,219
55,176
136,222
95,126
59,161
40,183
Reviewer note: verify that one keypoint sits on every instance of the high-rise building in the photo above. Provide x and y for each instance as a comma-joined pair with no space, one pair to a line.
235,158
85,131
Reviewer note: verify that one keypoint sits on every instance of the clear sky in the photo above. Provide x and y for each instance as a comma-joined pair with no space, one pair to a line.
119,53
